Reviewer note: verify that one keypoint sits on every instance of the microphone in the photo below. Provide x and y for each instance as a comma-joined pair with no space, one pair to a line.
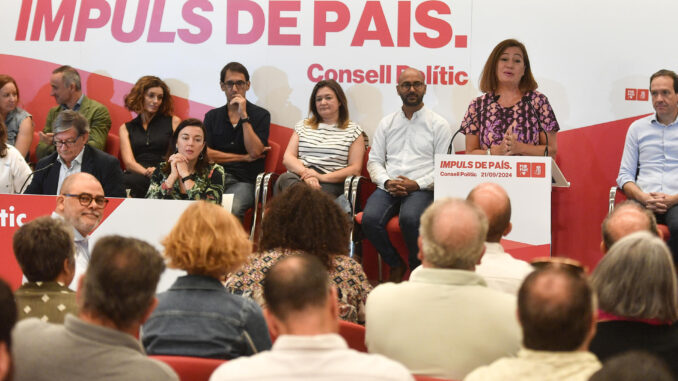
539,127
449,149
33,173
495,98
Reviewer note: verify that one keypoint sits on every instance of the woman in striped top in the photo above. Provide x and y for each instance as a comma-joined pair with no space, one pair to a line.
326,147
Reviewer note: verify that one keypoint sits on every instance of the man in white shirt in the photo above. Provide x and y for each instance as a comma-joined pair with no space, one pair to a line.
402,164
302,310
558,317
501,271
445,321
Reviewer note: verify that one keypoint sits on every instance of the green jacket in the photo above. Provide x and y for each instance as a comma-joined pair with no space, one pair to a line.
99,123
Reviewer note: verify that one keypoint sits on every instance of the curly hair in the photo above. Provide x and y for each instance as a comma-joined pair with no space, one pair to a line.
134,101
306,219
207,240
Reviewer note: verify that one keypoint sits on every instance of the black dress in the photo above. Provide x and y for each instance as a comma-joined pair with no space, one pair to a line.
149,148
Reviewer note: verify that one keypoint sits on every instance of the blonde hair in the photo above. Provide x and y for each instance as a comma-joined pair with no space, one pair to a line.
207,240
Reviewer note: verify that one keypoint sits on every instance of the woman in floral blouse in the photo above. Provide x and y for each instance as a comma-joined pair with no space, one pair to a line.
302,219
187,173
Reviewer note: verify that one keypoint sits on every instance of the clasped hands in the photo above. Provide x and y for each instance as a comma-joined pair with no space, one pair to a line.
658,202
311,177
509,145
401,186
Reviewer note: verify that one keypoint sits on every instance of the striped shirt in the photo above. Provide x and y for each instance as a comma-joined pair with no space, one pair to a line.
326,148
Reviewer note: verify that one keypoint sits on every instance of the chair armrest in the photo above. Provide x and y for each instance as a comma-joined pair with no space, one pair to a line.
611,198
351,187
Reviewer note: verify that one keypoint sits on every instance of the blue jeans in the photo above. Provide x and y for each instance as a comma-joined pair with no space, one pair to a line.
380,208
243,195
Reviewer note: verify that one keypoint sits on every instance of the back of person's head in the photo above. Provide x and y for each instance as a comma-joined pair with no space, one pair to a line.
626,218
305,219
493,200
452,234
8,317
556,310
121,279
42,247
636,279
207,240
633,366
295,284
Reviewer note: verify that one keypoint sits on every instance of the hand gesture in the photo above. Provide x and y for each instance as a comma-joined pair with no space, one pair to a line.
46,138
239,102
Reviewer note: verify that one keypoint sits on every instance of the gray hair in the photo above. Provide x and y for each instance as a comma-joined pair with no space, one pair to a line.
637,279
461,244
68,119
618,222
70,76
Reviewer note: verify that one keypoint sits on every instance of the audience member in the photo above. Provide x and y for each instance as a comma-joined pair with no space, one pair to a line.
73,156
187,173
303,312
626,217
67,91
501,271
237,135
81,204
45,251
325,148
401,164
646,169
197,316
557,314
116,296
14,171
8,314
633,366
302,219
144,139
445,321
638,296
18,121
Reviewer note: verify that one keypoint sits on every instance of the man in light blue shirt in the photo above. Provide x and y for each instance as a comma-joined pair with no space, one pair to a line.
649,168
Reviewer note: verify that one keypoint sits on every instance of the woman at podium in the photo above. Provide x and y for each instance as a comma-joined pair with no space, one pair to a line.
511,118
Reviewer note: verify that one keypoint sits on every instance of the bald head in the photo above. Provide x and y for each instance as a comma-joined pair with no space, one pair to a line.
493,200
626,218
452,234
410,71
84,218
76,181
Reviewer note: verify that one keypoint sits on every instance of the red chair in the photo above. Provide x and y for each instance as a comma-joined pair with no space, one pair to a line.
617,195
32,157
354,334
191,368
113,147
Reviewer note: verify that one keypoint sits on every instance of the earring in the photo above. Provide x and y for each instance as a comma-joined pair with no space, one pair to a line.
202,155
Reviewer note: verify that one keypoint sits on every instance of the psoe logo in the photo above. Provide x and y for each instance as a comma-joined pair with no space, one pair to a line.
523,169
538,169
10,219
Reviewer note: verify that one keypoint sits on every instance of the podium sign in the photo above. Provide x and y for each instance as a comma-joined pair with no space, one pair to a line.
526,179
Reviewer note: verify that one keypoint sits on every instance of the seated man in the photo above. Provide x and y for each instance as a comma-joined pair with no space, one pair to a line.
303,311
117,294
501,271
45,251
445,321
557,313
237,135
8,315
626,218
71,131
401,163
67,92
648,165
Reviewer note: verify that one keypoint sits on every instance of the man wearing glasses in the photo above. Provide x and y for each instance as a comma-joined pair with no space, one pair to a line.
237,135
402,165
73,155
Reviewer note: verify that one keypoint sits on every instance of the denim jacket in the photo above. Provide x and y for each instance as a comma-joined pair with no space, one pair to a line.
198,317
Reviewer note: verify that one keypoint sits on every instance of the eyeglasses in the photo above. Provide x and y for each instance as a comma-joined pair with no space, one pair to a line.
67,143
240,84
86,199
406,85
560,263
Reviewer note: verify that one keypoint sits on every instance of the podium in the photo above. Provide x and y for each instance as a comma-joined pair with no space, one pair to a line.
527,180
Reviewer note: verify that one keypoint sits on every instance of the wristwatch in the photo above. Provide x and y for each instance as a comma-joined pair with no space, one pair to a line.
189,177
245,120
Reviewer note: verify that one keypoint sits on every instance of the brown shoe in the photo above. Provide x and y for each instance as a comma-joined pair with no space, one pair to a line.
396,274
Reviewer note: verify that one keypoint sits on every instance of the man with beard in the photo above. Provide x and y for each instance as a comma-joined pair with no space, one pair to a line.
401,163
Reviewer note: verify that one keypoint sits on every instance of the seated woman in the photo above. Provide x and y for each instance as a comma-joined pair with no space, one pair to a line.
197,316
511,118
13,168
19,123
325,148
302,219
638,299
187,173
144,139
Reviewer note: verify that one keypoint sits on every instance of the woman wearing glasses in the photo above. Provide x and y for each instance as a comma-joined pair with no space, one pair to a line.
187,173
511,118
325,148
13,168
144,139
